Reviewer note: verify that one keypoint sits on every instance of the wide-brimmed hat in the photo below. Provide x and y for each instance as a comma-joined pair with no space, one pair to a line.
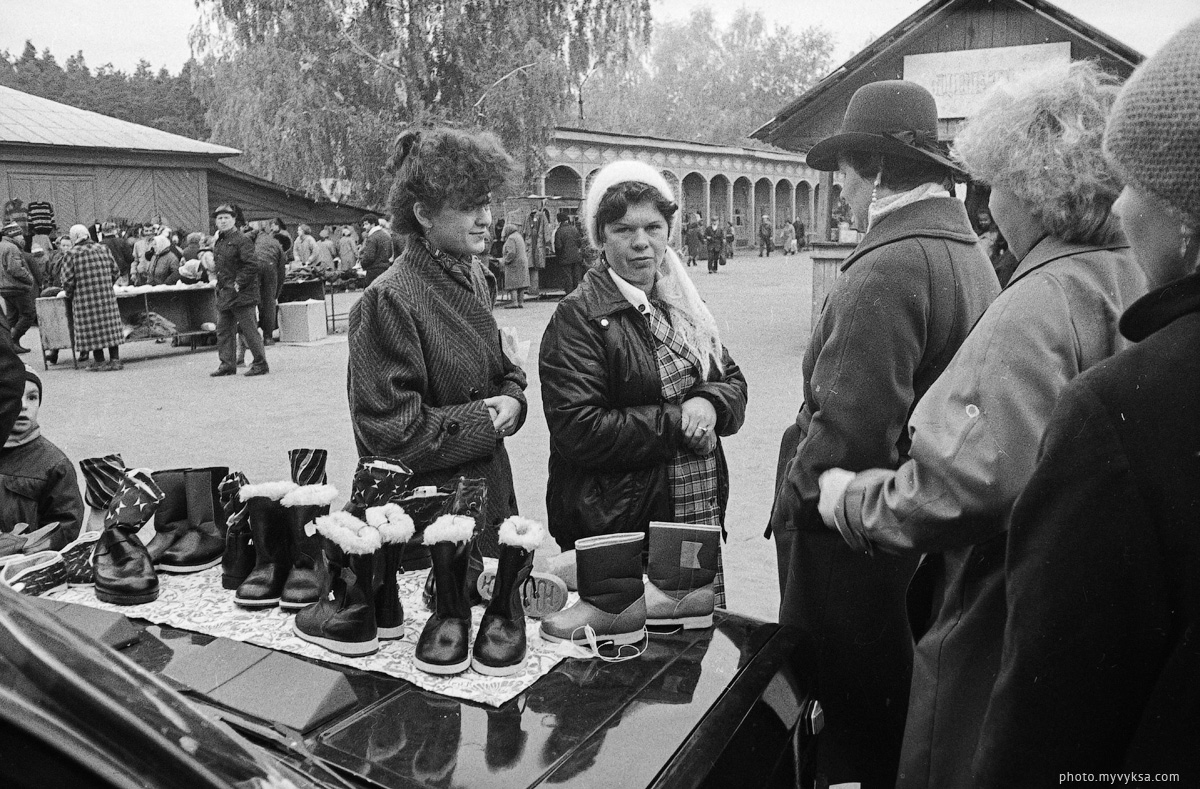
892,117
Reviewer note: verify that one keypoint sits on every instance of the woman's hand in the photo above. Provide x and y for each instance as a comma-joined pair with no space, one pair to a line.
699,425
833,487
505,412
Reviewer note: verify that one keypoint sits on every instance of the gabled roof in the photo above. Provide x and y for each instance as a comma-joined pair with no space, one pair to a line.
920,20
31,120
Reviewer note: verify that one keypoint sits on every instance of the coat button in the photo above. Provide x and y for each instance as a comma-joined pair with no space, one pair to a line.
972,411
474,393
452,428
604,322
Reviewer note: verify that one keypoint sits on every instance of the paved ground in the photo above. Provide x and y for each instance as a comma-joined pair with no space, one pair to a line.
164,411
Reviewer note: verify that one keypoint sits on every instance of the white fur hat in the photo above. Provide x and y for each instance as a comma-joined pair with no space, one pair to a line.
615,173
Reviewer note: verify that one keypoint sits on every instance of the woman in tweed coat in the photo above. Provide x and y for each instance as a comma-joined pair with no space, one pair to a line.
88,275
428,381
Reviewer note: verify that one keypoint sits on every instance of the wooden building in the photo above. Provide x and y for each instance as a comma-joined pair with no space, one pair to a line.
93,168
735,184
955,48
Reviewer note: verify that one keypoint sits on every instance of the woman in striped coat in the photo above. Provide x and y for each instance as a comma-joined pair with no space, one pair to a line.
88,275
428,381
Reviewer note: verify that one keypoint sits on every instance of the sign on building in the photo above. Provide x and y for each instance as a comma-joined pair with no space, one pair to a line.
958,80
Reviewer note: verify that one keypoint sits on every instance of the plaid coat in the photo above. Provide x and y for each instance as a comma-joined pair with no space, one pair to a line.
88,275
424,353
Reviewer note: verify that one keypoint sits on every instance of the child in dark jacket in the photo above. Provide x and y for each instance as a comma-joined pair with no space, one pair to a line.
38,486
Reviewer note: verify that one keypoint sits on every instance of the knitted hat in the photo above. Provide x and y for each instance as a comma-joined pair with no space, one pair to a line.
1153,134
609,176
11,229
31,375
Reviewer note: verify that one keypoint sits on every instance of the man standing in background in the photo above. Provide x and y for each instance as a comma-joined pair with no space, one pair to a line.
16,284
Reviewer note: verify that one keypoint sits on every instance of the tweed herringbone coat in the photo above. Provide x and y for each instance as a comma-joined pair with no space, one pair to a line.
424,354
88,275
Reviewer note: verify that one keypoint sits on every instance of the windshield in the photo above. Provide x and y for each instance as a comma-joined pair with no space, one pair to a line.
120,707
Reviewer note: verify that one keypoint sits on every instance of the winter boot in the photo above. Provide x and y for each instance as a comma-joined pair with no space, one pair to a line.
122,567
269,532
343,619
500,645
238,559
542,594
306,569
469,498
103,476
680,574
202,544
506,739
170,519
395,529
612,601
423,504
445,644
379,482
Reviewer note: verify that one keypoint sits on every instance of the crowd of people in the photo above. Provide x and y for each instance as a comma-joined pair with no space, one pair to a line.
986,511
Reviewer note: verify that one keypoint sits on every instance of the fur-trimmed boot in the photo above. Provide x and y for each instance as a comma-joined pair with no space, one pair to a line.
269,532
445,644
500,645
469,498
343,620
202,543
612,600
680,574
121,565
379,482
102,477
238,559
304,505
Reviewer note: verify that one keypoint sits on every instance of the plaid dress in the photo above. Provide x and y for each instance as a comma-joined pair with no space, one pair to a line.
88,274
692,478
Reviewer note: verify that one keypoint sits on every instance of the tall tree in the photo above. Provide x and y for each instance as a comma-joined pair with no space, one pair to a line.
315,89
699,81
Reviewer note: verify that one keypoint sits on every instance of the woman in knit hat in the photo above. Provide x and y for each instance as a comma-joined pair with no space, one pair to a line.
1101,659
636,384
975,433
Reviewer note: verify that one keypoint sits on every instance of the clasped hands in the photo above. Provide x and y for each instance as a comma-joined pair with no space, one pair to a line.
699,425
505,412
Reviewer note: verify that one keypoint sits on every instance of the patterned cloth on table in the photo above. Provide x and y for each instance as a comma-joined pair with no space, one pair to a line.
693,478
89,273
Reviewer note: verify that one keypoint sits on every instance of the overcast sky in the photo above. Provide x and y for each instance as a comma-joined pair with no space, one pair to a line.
123,31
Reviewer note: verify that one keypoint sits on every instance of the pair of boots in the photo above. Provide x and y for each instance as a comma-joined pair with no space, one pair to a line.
360,600
270,558
189,525
615,604
500,646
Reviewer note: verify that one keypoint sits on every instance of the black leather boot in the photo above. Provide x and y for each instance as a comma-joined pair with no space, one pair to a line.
269,532
343,619
445,644
379,483
500,646
124,573
469,498
170,519
306,569
202,543
238,559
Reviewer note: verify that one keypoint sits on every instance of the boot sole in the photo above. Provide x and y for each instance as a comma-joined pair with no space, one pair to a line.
497,671
346,648
122,599
619,639
550,592
436,668
686,622
77,584
187,568
391,632
286,606
264,603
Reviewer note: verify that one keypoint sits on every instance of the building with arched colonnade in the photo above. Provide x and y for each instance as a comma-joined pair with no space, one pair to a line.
735,184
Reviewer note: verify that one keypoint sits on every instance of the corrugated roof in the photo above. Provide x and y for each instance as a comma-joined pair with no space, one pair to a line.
32,120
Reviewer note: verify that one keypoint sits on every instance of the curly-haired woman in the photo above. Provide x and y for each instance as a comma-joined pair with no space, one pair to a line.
428,381
976,431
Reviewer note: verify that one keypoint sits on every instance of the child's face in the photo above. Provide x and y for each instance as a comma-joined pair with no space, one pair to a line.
28,419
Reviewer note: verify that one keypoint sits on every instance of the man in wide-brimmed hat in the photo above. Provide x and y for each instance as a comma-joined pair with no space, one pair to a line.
907,298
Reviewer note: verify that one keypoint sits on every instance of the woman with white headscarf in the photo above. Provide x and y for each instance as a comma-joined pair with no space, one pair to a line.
636,384
89,272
